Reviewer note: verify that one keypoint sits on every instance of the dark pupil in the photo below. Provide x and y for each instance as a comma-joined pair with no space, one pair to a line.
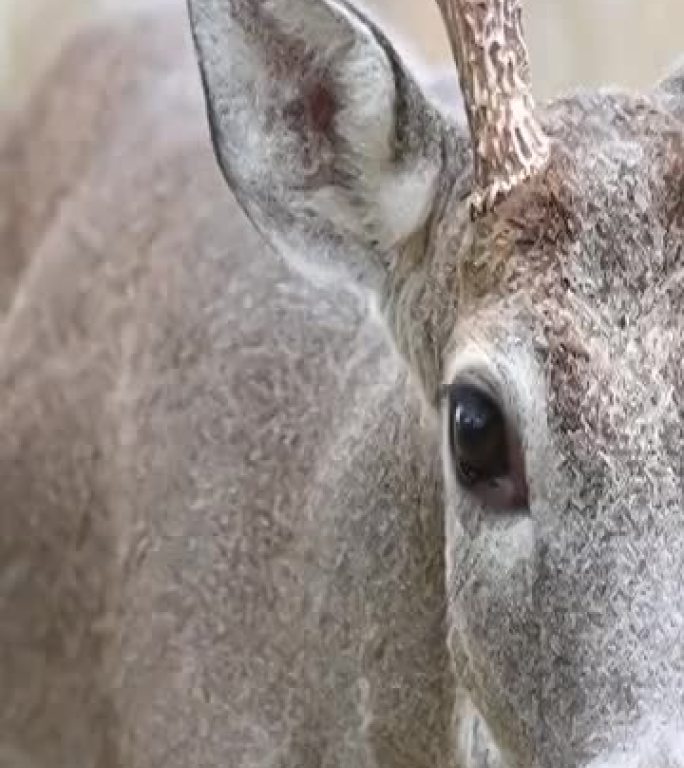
478,434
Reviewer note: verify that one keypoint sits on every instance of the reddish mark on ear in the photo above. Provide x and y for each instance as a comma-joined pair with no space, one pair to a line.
321,107
312,114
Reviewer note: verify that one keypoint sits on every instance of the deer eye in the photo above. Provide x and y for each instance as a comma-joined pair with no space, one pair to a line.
487,455
477,430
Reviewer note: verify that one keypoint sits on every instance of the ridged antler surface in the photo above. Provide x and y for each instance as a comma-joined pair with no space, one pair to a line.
509,145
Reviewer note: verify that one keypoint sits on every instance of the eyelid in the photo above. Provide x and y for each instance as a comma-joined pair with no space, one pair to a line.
476,379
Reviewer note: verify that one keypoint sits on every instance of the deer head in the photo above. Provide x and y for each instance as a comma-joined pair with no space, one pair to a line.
531,274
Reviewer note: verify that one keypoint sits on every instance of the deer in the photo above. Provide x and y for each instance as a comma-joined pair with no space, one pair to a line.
338,431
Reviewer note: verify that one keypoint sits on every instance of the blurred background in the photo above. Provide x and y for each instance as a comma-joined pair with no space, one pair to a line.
572,42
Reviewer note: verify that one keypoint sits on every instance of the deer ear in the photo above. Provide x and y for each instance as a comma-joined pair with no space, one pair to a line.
324,138
671,90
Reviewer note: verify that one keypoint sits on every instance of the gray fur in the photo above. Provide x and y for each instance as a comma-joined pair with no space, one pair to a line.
672,90
231,534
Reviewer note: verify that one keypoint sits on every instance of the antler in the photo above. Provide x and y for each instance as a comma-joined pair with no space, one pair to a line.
509,145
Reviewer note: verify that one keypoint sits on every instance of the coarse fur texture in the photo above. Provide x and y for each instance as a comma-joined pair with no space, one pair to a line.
231,533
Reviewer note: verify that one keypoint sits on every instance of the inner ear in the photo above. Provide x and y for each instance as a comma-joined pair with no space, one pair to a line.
288,59
320,105
312,113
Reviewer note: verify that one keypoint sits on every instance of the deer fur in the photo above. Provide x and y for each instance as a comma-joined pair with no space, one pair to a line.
231,532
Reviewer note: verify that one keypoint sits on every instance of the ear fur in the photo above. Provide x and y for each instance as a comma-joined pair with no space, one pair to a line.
323,136
671,90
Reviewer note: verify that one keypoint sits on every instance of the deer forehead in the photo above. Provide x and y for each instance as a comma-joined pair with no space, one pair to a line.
605,218
585,263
